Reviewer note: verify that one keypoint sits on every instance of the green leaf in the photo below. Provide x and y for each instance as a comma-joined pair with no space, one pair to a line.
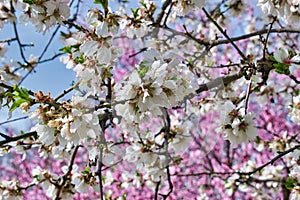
144,68
16,104
104,3
281,68
211,63
124,197
36,177
30,2
86,170
21,93
79,59
135,12
143,4
272,58
66,49
290,184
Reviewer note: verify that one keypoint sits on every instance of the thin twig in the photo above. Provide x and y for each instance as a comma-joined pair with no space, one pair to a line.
13,120
247,96
42,54
66,92
19,43
138,52
225,34
8,40
156,190
19,137
223,66
65,176
272,160
165,196
267,37
280,155
52,58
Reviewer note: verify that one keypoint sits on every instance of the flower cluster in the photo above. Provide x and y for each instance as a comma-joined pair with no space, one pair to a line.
154,84
124,130
235,127
137,24
92,55
78,123
6,14
287,11
295,109
182,7
45,14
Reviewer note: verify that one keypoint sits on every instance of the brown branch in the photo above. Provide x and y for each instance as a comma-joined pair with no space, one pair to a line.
19,43
8,40
165,196
13,120
247,96
257,33
216,82
66,92
156,190
160,17
19,137
280,155
162,12
294,79
42,54
272,160
65,176
225,34
267,37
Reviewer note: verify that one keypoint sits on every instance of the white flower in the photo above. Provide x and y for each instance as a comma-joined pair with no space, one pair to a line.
111,155
180,143
267,7
89,48
154,84
183,7
235,127
295,110
45,133
295,194
104,55
80,185
282,55
102,29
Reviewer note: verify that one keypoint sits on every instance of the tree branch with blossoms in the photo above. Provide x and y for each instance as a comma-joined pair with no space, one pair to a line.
168,100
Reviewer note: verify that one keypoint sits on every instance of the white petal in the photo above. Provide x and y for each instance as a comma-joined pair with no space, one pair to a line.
102,29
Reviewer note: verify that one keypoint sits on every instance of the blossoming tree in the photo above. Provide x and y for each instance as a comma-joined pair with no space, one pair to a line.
173,99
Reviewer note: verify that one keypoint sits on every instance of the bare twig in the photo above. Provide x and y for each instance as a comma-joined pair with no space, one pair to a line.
247,96
8,40
267,37
138,52
65,176
13,120
225,34
19,137
42,54
66,91
156,190
280,155
51,58
19,43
